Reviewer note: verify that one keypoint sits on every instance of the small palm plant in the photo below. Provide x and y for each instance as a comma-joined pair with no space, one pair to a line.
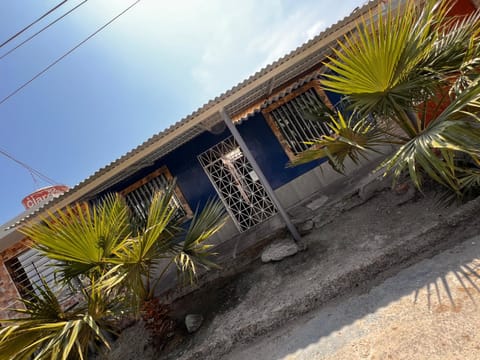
44,330
118,264
410,77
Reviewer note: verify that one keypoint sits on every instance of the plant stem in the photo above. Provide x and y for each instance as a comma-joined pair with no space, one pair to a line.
155,283
413,117
409,125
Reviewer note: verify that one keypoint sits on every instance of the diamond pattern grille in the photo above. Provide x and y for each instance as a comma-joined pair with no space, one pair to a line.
237,184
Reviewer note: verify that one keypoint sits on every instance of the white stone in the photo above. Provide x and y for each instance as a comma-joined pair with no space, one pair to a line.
279,249
306,227
193,322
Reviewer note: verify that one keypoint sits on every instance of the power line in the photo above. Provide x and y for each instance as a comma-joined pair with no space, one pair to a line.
42,29
33,23
67,53
31,170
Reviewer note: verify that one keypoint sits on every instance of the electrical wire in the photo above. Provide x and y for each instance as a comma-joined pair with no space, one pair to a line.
67,53
33,23
31,170
43,29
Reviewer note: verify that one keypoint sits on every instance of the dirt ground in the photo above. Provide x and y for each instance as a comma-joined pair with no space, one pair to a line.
427,311
356,240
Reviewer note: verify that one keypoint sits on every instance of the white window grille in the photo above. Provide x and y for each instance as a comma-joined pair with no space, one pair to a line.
291,125
139,195
27,271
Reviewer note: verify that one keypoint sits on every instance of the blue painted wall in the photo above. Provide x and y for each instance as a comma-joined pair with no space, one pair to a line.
334,97
269,153
184,165
191,178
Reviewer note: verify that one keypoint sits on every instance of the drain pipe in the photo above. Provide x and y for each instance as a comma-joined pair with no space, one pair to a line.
246,151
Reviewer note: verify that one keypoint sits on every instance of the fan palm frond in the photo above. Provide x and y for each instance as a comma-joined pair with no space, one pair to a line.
350,138
193,250
45,331
393,61
80,236
455,130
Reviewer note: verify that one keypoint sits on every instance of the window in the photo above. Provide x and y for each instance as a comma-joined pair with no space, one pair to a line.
27,269
30,268
140,194
288,122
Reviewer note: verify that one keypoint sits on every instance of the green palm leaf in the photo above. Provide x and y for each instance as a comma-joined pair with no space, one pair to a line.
393,61
404,66
81,236
45,331
194,251
455,130
350,139
137,258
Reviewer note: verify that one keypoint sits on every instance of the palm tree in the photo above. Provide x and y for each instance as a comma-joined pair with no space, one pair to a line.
44,330
119,262
410,77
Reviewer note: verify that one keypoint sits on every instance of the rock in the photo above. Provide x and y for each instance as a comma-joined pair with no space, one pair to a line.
279,249
193,322
306,227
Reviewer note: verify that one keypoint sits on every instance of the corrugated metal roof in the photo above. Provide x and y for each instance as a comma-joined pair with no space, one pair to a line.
232,108
315,75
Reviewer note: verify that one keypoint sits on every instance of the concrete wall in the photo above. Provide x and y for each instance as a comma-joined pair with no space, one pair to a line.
306,185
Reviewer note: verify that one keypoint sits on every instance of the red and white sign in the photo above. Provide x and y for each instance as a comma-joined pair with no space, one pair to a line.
42,194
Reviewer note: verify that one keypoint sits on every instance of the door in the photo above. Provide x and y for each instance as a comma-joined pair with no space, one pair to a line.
237,184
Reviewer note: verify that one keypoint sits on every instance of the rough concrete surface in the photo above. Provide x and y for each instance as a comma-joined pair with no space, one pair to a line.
354,243
279,249
427,311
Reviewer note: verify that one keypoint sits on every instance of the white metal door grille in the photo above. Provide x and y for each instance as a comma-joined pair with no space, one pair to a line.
237,184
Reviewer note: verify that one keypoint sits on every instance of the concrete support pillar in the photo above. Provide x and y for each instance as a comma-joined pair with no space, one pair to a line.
246,151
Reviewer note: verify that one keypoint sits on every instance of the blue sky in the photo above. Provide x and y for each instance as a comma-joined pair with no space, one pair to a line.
150,68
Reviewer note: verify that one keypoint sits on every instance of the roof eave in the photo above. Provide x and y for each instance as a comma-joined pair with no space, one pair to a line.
204,113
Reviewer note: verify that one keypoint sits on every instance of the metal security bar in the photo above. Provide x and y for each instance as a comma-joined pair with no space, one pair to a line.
140,199
295,128
237,184
27,270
